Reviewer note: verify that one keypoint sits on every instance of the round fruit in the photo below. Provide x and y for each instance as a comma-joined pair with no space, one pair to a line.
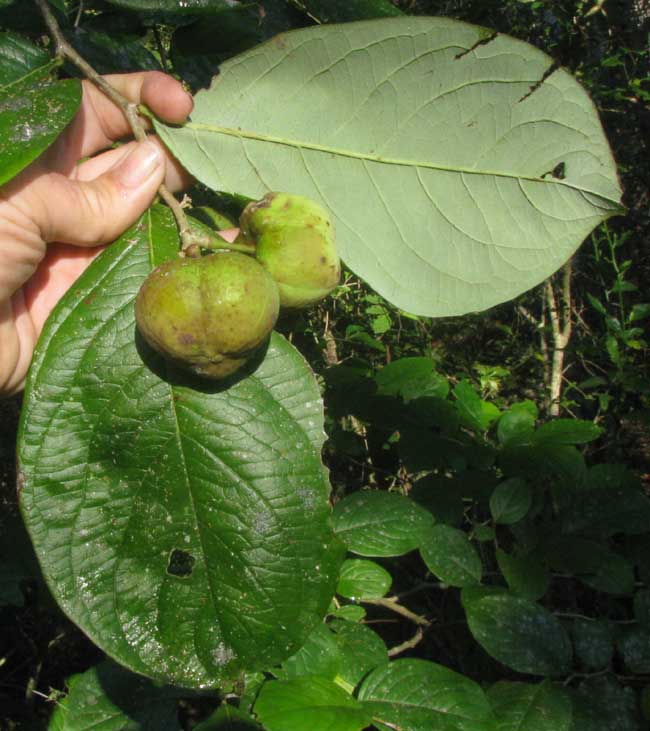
208,313
294,241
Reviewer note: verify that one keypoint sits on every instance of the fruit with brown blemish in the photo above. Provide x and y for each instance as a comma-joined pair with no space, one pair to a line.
209,313
294,240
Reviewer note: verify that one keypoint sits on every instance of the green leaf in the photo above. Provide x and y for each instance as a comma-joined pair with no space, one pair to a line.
33,113
361,579
228,718
511,500
416,695
474,412
182,524
602,704
567,431
377,523
592,563
19,57
605,511
362,650
181,7
112,52
411,378
525,576
349,612
320,655
310,703
442,497
524,707
634,647
111,698
520,634
341,11
593,643
449,555
640,311
444,207
516,426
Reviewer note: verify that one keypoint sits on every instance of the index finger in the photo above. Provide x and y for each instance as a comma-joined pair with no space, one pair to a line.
100,122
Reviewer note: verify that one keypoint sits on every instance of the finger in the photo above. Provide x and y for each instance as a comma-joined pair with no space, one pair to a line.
88,213
176,177
100,122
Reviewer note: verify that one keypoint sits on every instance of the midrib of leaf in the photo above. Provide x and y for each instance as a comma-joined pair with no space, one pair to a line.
40,71
400,162
181,452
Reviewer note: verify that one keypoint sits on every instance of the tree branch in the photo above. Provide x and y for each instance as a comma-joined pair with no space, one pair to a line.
393,604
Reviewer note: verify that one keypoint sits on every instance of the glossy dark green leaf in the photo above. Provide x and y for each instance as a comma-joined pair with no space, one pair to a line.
182,524
416,695
524,707
361,579
449,554
525,575
320,655
593,643
377,523
310,703
475,413
32,115
349,612
19,57
228,718
112,698
199,48
592,562
634,647
341,11
567,431
111,53
511,500
362,650
603,704
603,512
411,378
516,426
442,497
520,634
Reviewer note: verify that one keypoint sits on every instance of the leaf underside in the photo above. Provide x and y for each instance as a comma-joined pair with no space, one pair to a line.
182,524
460,166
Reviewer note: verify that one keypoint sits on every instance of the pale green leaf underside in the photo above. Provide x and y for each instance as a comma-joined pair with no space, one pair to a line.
425,139
183,526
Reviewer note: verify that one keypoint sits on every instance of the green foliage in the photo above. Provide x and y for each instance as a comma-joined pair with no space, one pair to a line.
186,528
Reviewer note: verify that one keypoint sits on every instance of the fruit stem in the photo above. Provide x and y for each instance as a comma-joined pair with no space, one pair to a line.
214,242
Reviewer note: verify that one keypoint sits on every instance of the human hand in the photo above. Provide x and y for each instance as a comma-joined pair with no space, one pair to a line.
57,212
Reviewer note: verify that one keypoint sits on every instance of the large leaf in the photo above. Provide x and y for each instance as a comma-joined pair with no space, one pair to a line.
523,707
519,633
111,698
33,112
182,7
309,703
182,525
461,169
379,523
415,695
19,57
449,555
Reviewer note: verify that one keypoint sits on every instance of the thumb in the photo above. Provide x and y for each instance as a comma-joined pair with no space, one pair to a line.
87,213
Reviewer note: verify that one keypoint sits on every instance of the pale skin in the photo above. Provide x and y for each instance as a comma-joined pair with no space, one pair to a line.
58,213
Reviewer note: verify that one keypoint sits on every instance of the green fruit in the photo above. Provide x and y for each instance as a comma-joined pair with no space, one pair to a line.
208,313
294,241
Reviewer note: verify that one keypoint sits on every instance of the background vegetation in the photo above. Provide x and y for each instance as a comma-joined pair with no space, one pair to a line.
566,526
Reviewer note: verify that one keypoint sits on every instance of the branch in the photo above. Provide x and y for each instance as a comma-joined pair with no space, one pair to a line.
130,110
408,645
391,602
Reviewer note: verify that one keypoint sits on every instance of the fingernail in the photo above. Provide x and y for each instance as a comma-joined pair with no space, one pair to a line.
139,165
